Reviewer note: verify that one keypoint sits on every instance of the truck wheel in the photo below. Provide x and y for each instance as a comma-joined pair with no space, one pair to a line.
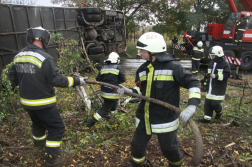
91,10
229,53
93,17
246,60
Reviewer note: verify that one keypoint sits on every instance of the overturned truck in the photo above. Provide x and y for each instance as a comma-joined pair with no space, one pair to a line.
102,31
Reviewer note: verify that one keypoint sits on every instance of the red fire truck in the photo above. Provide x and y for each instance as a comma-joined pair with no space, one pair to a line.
224,35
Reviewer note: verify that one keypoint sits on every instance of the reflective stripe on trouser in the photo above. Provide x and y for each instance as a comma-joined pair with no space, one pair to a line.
47,119
210,106
168,142
107,107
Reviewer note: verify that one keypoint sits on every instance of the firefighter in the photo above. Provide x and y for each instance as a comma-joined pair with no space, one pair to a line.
110,73
175,40
160,78
197,53
219,72
35,73
241,27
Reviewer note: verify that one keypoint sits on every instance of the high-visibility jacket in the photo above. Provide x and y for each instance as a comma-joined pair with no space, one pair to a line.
36,74
111,74
162,81
217,86
197,53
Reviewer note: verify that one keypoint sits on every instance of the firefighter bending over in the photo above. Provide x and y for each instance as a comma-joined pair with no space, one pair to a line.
197,54
219,72
35,73
110,73
160,78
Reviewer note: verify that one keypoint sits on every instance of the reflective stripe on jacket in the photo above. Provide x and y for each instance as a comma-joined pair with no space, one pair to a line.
197,53
111,74
36,74
162,81
217,86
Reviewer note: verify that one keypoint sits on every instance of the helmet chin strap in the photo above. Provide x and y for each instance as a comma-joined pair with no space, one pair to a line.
150,58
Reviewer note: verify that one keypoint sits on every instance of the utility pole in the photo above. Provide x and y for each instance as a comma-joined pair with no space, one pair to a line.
83,4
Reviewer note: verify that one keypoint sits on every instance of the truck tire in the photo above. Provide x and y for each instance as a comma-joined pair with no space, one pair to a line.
246,60
229,53
93,17
91,10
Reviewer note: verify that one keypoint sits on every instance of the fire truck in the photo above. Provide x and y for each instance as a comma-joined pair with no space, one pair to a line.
239,54
102,31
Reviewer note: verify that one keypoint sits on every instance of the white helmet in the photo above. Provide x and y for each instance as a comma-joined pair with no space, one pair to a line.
200,44
217,51
152,42
247,14
113,58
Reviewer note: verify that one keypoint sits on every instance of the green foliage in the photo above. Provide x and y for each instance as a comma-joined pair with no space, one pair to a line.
131,49
70,54
9,98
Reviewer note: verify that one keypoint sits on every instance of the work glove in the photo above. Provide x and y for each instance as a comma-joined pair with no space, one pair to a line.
121,90
212,75
82,80
187,113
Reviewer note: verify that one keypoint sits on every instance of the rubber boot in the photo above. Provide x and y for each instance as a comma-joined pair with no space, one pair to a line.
171,165
39,144
204,120
52,158
91,122
134,164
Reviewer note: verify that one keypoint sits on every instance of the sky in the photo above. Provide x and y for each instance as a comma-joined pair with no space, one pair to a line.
46,3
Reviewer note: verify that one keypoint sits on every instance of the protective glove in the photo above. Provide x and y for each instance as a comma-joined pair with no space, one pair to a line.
187,113
212,75
82,80
123,89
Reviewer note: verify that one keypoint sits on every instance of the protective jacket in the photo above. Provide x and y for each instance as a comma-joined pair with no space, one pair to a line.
162,81
36,74
111,74
197,53
241,26
217,86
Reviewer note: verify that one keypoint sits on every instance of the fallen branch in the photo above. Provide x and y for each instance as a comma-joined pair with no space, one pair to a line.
197,136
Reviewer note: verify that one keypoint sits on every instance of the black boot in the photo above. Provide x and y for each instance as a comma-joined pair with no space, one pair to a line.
52,158
217,116
39,143
91,122
134,164
204,120
55,162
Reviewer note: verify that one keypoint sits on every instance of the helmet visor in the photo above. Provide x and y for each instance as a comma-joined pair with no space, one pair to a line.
140,44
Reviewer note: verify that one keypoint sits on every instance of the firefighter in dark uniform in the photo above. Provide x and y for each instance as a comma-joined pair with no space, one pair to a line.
175,40
219,72
35,73
160,77
197,54
110,73
241,27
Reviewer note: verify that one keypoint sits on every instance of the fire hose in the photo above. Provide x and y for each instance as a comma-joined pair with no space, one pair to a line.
198,151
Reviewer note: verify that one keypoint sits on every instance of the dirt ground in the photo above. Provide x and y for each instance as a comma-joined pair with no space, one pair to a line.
14,151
